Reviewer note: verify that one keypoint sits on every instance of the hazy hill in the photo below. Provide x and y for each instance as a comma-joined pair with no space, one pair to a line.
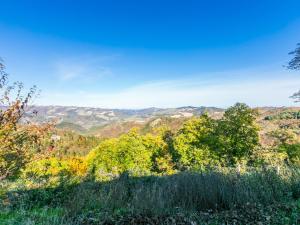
113,122
85,119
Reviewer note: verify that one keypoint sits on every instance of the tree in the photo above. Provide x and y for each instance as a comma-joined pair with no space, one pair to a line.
17,140
286,142
237,133
112,157
162,151
193,143
294,64
204,142
296,96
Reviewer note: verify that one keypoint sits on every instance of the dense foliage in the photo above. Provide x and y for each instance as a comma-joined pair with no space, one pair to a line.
202,143
72,144
115,156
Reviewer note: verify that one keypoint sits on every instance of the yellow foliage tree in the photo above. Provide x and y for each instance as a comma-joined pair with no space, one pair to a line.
17,141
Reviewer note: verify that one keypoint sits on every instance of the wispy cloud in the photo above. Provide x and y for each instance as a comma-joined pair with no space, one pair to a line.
174,93
83,68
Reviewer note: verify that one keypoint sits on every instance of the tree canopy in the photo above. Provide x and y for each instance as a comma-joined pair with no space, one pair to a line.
294,64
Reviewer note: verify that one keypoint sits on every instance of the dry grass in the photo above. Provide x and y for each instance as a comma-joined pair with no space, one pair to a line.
208,196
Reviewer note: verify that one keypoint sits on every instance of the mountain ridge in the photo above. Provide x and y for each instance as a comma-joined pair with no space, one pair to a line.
112,122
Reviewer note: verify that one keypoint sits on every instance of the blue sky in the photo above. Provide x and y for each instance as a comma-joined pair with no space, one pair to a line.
136,54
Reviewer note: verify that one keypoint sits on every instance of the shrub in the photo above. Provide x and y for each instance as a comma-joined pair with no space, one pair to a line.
18,141
293,152
53,171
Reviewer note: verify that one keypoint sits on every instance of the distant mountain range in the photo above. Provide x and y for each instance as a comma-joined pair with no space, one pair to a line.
87,119
113,122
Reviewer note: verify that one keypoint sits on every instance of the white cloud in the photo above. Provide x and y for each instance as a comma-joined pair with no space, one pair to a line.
264,91
83,68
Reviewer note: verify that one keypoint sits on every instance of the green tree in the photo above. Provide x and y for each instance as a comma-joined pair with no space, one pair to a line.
127,153
237,133
162,150
293,152
193,143
286,142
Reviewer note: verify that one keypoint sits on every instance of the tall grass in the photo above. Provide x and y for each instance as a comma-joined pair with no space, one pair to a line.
186,191
159,196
